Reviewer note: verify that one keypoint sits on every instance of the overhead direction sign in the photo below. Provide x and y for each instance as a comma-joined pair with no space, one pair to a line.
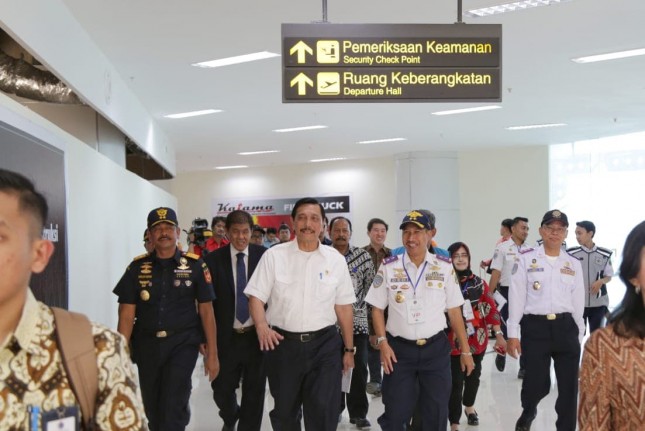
391,62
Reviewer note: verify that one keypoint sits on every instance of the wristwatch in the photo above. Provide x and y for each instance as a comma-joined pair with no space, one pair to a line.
350,350
379,340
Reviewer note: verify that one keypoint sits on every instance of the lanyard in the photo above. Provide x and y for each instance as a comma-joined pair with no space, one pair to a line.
414,286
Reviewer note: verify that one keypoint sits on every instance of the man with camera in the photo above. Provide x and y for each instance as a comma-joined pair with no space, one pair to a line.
202,240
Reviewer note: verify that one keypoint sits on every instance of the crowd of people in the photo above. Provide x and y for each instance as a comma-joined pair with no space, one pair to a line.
326,323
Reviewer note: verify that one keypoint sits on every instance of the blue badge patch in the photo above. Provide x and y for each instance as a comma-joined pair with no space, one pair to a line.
526,250
378,280
514,270
390,259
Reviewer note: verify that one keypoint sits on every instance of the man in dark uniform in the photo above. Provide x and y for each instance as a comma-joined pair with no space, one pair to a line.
157,313
239,352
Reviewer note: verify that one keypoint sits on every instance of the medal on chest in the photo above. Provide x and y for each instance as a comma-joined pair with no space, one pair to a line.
399,297
536,285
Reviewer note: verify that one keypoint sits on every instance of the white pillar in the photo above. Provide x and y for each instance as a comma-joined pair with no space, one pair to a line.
430,180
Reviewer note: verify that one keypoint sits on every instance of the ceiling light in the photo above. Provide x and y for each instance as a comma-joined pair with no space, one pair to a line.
193,113
253,153
610,56
327,160
378,141
237,59
231,167
535,126
510,7
465,110
299,129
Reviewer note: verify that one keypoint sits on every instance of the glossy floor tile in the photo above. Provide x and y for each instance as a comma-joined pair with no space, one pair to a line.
498,403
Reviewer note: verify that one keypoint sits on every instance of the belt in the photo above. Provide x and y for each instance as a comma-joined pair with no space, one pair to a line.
303,337
421,341
551,316
244,330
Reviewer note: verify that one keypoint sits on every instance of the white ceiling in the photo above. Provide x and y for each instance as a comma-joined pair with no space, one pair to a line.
152,43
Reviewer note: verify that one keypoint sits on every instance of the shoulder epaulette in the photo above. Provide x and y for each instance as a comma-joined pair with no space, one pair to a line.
605,251
141,256
443,258
192,256
574,250
526,250
390,259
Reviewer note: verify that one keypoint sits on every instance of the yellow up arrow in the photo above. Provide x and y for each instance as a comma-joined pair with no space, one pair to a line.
302,80
301,48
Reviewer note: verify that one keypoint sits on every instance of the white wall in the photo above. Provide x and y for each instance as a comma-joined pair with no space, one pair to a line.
498,184
370,183
107,208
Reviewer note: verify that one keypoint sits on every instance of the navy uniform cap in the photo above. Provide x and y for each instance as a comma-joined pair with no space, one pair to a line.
555,215
162,215
417,218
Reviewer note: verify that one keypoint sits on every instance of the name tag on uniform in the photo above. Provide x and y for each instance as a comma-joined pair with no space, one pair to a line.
415,312
61,419
468,311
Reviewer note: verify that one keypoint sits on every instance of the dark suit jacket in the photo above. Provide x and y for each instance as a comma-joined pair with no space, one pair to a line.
221,269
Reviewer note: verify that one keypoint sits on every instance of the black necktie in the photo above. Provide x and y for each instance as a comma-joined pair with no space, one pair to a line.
242,303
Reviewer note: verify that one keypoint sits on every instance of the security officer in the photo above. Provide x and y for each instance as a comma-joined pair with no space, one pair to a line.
546,300
417,287
597,272
157,312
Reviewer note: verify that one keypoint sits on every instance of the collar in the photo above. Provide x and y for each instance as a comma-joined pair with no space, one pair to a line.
235,251
589,250
428,258
175,257
26,332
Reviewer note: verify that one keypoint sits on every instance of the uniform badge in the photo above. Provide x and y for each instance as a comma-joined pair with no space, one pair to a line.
405,286
378,280
188,283
514,270
177,283
536,285
145,295
399,297
183,263
440,285
207,275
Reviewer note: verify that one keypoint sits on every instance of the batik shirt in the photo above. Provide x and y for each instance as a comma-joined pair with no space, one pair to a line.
32,374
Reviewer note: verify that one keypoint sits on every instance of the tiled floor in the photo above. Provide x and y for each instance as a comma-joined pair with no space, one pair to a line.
498,403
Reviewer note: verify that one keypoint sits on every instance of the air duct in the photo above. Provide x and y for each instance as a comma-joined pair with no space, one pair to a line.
25,80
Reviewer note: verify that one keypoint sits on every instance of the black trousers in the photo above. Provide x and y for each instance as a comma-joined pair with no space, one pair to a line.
357,403
306,376
464,388
543,340
594,315
165,370
244,360
374,364
421,373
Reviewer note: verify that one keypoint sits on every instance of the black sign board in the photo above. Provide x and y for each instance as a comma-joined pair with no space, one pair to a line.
391,62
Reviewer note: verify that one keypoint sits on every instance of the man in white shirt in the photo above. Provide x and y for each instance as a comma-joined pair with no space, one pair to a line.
306,288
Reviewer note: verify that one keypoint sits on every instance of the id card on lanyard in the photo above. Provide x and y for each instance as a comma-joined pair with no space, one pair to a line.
415,307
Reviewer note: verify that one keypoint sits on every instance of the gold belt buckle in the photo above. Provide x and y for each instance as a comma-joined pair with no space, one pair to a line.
161,334
421,342
550,317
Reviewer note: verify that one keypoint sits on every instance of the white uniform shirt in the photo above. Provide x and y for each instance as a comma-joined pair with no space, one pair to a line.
560,288
437,291
505,255
301,288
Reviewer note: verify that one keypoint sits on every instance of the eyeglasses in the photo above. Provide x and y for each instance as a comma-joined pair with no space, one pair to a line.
558,230
460,256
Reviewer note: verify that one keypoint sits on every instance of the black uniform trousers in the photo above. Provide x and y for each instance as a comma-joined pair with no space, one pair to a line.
543,340
464,388
594,315
165,370
357,403
244,360
374,364
306,375
421,373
